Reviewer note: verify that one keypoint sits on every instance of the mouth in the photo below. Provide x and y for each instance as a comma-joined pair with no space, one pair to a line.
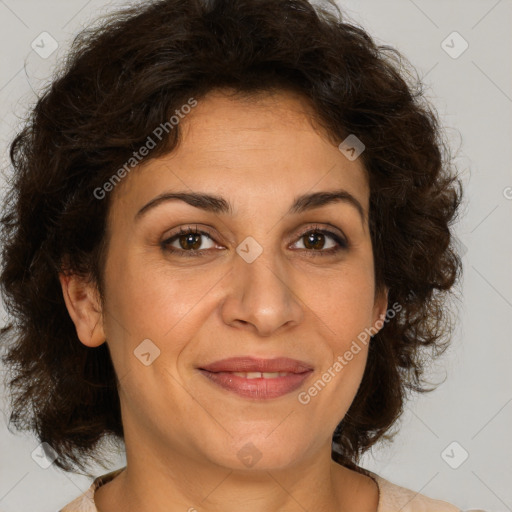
257,378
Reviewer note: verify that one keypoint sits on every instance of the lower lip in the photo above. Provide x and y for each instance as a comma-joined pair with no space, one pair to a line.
260,388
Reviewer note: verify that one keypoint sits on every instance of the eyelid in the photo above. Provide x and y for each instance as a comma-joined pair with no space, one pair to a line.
332,231
187,229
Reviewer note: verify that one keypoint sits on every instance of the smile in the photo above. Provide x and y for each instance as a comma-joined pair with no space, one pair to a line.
257,385
259,375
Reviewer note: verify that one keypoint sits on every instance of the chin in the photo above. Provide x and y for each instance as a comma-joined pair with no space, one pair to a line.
259,453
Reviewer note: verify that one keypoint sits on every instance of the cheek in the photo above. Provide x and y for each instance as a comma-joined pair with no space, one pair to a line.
345,303
149,302
147,298
348,316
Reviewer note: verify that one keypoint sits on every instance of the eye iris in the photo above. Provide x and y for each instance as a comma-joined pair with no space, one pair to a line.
190,238
316,240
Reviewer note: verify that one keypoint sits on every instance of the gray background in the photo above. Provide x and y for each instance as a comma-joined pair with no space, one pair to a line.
473,95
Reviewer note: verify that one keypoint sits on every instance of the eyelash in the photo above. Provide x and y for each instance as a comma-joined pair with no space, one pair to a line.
342,243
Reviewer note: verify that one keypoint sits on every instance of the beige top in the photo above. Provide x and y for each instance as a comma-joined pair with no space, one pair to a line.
392,498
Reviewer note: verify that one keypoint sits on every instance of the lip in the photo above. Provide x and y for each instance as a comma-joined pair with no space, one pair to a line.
255,364
222,372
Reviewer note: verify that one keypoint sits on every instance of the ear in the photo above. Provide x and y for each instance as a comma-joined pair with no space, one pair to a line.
380,308
84,308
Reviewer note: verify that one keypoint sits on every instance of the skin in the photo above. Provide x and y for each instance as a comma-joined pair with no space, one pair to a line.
183,433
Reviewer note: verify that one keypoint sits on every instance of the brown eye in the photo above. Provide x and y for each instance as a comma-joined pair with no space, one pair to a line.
314,240
190,241
321,241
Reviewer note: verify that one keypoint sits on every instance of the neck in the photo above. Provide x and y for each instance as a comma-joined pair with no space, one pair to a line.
157,480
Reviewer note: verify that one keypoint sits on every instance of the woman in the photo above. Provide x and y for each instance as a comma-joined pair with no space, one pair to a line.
227,245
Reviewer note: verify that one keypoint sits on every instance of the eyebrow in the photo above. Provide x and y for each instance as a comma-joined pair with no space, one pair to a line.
217,204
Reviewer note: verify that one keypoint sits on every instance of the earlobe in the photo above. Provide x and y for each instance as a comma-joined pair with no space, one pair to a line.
83,305
380,309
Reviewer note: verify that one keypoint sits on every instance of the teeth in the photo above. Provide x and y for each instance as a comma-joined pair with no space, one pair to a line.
259,375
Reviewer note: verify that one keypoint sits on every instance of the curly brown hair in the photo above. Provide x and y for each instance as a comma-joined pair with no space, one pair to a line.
122,78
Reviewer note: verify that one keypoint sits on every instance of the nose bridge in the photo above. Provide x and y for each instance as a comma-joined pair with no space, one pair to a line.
261,293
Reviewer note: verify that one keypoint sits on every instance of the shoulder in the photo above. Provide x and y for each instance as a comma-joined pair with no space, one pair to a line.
85,502
393,498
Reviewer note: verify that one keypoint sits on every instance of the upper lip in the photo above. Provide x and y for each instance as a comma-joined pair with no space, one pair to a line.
254,364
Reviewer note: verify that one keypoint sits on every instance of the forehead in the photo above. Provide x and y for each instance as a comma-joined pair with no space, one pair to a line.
252,149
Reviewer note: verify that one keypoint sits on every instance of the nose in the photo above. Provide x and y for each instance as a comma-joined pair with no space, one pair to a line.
261,296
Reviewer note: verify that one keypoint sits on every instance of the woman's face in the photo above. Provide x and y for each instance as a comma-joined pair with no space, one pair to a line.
266,285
